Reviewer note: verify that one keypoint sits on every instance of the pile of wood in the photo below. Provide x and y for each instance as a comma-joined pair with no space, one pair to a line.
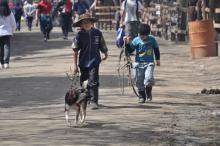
166,21
106,16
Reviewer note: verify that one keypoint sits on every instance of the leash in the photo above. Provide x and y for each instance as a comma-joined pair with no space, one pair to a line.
74,78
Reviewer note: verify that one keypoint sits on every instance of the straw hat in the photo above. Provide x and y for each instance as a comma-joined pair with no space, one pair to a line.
84,17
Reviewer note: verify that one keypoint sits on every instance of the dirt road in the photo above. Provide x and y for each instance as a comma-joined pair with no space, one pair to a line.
32,99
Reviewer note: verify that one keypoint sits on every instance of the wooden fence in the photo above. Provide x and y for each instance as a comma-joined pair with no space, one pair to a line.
106,16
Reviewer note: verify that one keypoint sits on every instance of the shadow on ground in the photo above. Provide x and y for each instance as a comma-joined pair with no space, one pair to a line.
29,43
40,90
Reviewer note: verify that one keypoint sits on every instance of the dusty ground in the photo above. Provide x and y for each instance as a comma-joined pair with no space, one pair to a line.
32,99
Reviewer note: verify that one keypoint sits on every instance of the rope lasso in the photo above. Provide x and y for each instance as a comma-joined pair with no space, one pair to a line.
127,65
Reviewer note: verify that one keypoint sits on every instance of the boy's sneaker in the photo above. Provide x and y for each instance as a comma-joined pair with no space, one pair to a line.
6,65
93,106
141,100
149,94
45,39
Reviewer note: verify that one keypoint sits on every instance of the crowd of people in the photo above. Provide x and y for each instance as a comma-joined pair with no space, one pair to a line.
44,12
88,41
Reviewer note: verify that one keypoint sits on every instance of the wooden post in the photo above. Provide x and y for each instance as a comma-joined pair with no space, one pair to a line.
199,10
211,9
191,11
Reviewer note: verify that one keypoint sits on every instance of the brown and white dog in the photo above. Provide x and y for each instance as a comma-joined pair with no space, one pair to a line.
76,98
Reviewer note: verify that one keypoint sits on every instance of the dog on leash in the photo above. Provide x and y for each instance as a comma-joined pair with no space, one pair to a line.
76,98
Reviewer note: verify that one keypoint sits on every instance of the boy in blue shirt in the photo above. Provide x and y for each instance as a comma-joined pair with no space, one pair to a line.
146,48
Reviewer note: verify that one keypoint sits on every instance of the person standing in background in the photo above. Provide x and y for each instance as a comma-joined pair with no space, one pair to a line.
80,8
192,14
44,9
7,28
65,9
18,12
130,12
29,10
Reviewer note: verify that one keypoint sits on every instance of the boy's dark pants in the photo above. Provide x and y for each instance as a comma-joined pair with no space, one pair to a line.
92,75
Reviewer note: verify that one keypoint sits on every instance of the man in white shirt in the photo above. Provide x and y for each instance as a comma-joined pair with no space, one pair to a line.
130,10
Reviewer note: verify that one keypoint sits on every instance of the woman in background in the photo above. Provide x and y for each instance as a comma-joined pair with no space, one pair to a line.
18,12
7,28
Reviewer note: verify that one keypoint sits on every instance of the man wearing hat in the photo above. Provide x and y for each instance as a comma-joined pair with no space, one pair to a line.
89,42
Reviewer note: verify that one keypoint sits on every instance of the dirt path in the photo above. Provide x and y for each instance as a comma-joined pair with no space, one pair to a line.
32,105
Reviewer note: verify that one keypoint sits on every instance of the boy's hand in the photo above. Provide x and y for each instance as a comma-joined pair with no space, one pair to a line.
158,62
75,70
127,39
105,57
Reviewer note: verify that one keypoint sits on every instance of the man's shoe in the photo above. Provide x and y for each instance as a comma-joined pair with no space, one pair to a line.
142,96
93,106
6,65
